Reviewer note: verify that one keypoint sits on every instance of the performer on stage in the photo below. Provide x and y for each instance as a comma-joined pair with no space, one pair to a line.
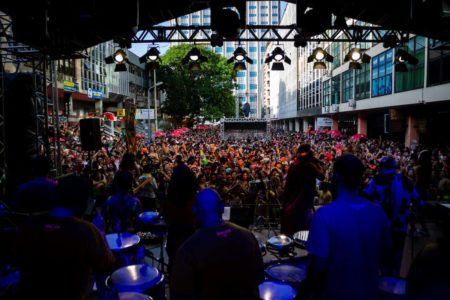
299,191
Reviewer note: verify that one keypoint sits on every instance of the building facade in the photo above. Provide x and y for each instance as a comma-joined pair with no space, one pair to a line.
258,13
375,100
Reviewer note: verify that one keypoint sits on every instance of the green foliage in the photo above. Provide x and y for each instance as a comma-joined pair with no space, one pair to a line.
191,94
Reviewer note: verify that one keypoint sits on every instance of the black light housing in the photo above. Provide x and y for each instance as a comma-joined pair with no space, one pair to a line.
194,57
151,55
401,58
239,56
119,58
390,41
216,40
300,41
319,56
355,56
278,56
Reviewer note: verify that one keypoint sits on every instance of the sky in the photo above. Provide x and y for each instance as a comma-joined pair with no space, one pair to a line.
141,48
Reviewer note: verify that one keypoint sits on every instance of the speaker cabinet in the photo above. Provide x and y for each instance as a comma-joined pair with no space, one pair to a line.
90,134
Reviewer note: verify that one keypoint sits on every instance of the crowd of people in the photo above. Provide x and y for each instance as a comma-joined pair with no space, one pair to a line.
189,178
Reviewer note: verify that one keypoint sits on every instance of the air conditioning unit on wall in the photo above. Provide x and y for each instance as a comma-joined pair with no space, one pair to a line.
352,103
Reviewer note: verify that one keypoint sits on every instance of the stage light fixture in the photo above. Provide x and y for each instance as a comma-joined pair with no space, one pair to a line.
194,57
216,40
299,41
355,56
239,56
319,56
402,57
278,56
119,57
390,41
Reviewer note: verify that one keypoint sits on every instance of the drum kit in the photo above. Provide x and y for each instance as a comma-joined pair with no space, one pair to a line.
284,279
136,280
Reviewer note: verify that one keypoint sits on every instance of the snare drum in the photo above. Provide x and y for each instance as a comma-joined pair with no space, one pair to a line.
139,279
125,246
392,288
271,290
280,244
300,238
287,273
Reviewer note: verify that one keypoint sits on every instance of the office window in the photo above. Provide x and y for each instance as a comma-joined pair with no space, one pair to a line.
195,23
241,86
252,15
252,23
413,79
362,82
252,49
347,85
240,74
336,89
184,24
185,17
253,74
326,93
218,49
253,86
230,49
382,74
252,98
335,51
274,15
264,15
274,22
206,16
263,49
438,62
195,16
252,7
264,23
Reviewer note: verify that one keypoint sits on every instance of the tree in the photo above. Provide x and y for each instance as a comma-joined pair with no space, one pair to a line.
191,94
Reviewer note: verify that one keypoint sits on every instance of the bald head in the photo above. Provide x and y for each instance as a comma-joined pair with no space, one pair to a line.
208,207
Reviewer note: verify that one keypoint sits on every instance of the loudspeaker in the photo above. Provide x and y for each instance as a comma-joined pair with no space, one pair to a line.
90,134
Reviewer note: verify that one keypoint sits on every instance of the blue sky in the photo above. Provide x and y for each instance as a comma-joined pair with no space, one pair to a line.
141,48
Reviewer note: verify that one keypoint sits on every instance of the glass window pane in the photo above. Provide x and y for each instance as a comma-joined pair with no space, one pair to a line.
375,73
388,84
374,87
381,86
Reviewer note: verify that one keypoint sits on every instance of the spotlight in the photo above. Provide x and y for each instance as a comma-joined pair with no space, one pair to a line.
278,56
194,58
401,58
390,41
354,56
239,56
299,41
318,56
119,58
152,55
216,40
225,21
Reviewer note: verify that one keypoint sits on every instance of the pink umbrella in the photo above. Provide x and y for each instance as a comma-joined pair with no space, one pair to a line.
184,129
140,136
175,134
202,126
358,137
335,133
159,133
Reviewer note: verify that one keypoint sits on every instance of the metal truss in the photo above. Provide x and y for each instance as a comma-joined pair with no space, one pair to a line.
264,33
2,122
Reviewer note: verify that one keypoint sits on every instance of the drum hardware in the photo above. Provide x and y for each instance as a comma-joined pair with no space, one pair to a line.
287,273
280,245
392,288
300,238
155,230
125,247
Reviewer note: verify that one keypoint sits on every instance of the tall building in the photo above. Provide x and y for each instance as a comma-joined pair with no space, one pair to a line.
258,13
410,104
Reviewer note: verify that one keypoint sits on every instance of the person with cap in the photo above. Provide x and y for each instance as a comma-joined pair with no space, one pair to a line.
395,193
220,261
299,191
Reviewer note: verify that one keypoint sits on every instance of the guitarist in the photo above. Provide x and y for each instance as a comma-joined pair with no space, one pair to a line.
146,190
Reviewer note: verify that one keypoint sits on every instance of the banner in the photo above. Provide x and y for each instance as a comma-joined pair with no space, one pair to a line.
130,126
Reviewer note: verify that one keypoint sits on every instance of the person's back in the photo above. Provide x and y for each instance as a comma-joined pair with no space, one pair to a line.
225,260
58,253
348,238
121,210
351,233
220,261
